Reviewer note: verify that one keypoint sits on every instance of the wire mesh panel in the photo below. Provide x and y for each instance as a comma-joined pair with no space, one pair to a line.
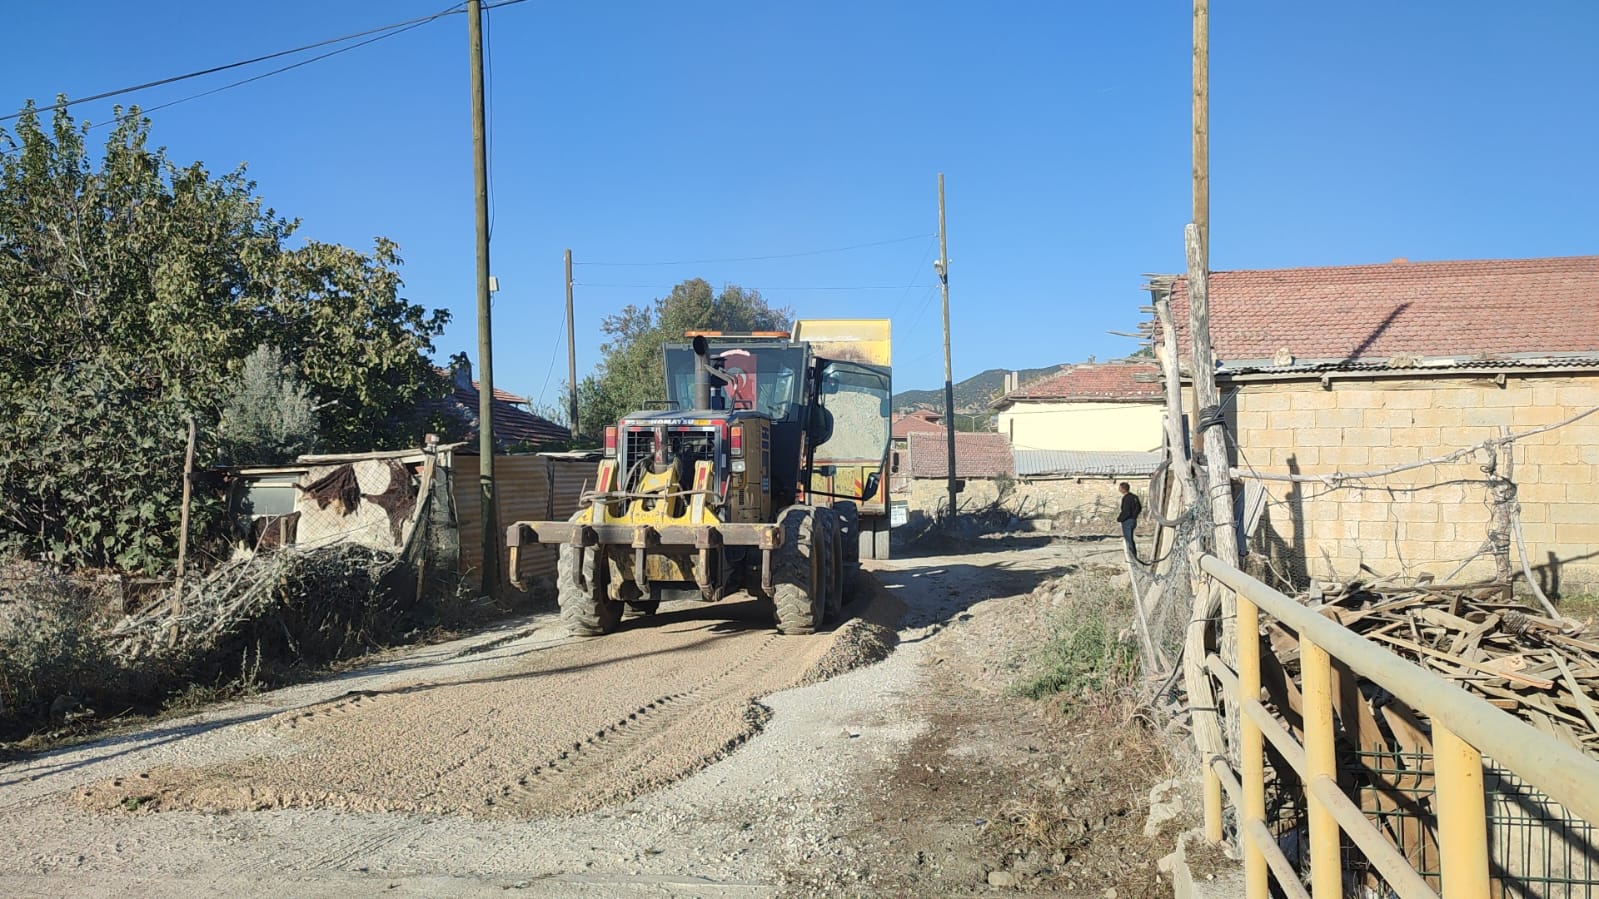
1536,848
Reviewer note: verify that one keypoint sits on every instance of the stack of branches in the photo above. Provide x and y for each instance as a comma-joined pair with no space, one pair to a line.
1543,670
317,603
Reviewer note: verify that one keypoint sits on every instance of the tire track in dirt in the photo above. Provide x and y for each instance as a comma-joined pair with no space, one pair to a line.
563,730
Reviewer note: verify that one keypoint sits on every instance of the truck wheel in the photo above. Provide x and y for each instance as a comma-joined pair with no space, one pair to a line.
833,563
849,526
798,589
587,612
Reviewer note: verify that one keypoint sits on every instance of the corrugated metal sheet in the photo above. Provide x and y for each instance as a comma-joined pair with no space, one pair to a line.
570,475
1066,463
522,487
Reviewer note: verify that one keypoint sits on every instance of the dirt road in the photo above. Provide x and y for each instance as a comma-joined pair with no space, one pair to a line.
694,754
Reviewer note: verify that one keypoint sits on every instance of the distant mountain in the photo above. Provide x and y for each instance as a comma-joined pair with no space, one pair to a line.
972,395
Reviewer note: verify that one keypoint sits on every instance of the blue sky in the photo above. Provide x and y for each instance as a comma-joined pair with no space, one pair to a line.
641,132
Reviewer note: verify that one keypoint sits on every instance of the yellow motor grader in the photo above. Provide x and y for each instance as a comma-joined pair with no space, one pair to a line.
763,473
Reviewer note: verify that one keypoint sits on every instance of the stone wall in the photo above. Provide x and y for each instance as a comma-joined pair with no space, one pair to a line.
1432,518
1086,505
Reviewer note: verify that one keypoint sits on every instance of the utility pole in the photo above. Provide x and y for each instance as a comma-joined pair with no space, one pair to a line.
485,342
571,351
942,267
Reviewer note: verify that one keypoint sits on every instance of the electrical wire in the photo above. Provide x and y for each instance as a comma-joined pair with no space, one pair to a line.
911,282
745,286
381,32
859,246
277,71
104,95
555,353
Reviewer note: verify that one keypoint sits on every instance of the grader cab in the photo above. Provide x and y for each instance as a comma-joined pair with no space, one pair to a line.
763,474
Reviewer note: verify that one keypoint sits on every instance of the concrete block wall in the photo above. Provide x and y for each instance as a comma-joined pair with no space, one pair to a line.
1432,518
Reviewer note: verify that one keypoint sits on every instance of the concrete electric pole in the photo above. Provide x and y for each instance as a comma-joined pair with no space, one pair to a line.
485,342
942,267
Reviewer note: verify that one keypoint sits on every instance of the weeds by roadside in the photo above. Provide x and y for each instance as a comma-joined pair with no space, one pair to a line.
1088,660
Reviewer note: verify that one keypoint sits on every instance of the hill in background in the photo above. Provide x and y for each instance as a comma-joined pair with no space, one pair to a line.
972,395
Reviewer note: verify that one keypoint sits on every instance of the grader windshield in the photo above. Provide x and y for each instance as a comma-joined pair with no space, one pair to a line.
764,378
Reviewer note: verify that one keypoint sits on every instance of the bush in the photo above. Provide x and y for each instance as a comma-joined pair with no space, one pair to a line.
1087,654
52,651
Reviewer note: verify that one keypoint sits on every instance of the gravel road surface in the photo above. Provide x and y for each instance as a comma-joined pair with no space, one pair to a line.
693,753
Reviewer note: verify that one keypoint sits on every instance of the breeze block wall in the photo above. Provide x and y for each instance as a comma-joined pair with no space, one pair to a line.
1432,518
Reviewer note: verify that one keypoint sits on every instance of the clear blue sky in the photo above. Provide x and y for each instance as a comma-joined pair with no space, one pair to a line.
643,131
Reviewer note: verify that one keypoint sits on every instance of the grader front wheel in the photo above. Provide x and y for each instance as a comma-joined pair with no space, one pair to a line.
587,610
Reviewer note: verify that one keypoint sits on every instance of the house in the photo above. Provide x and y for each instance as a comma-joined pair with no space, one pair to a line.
919,421
515,425
1352,378
923,420
979,455
1110,407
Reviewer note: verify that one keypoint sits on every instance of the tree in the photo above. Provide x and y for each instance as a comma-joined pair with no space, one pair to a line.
268,416
132,290
631,372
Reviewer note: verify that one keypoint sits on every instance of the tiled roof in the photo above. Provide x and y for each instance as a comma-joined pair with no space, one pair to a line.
513,423
920,420
976,456
1104,382
1401,312
1038,463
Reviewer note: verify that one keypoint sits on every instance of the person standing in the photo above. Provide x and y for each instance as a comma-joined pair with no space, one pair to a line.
1128,519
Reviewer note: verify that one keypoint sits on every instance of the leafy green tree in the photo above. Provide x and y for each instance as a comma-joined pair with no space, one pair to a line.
631,372
132,289
268,416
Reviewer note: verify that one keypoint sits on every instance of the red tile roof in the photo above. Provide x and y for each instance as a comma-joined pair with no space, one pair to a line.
920,420
1374,313
1106,382
976,456
513,423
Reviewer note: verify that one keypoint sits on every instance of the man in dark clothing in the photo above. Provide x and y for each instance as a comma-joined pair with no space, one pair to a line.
1131,509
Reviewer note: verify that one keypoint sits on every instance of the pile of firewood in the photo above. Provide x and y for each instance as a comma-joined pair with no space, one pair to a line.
1543,670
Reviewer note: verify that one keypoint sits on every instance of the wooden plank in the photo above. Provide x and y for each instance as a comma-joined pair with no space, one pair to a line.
1534,682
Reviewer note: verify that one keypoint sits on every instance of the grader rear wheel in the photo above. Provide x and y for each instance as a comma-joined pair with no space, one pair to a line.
799,586
587,611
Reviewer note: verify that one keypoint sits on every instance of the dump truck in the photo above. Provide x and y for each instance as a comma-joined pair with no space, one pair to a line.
762,473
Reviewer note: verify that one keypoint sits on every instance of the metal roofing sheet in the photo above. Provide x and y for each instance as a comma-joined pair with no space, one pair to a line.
1036,463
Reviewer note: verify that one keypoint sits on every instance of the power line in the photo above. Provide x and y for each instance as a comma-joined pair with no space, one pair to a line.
279,71
859,246
748,286
422,20
381,32
560,338
911,282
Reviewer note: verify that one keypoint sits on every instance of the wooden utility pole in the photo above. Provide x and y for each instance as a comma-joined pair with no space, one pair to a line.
183,535
942,267
485,342
1211,453
571,351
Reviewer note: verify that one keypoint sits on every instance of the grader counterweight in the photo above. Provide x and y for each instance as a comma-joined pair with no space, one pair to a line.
764,474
